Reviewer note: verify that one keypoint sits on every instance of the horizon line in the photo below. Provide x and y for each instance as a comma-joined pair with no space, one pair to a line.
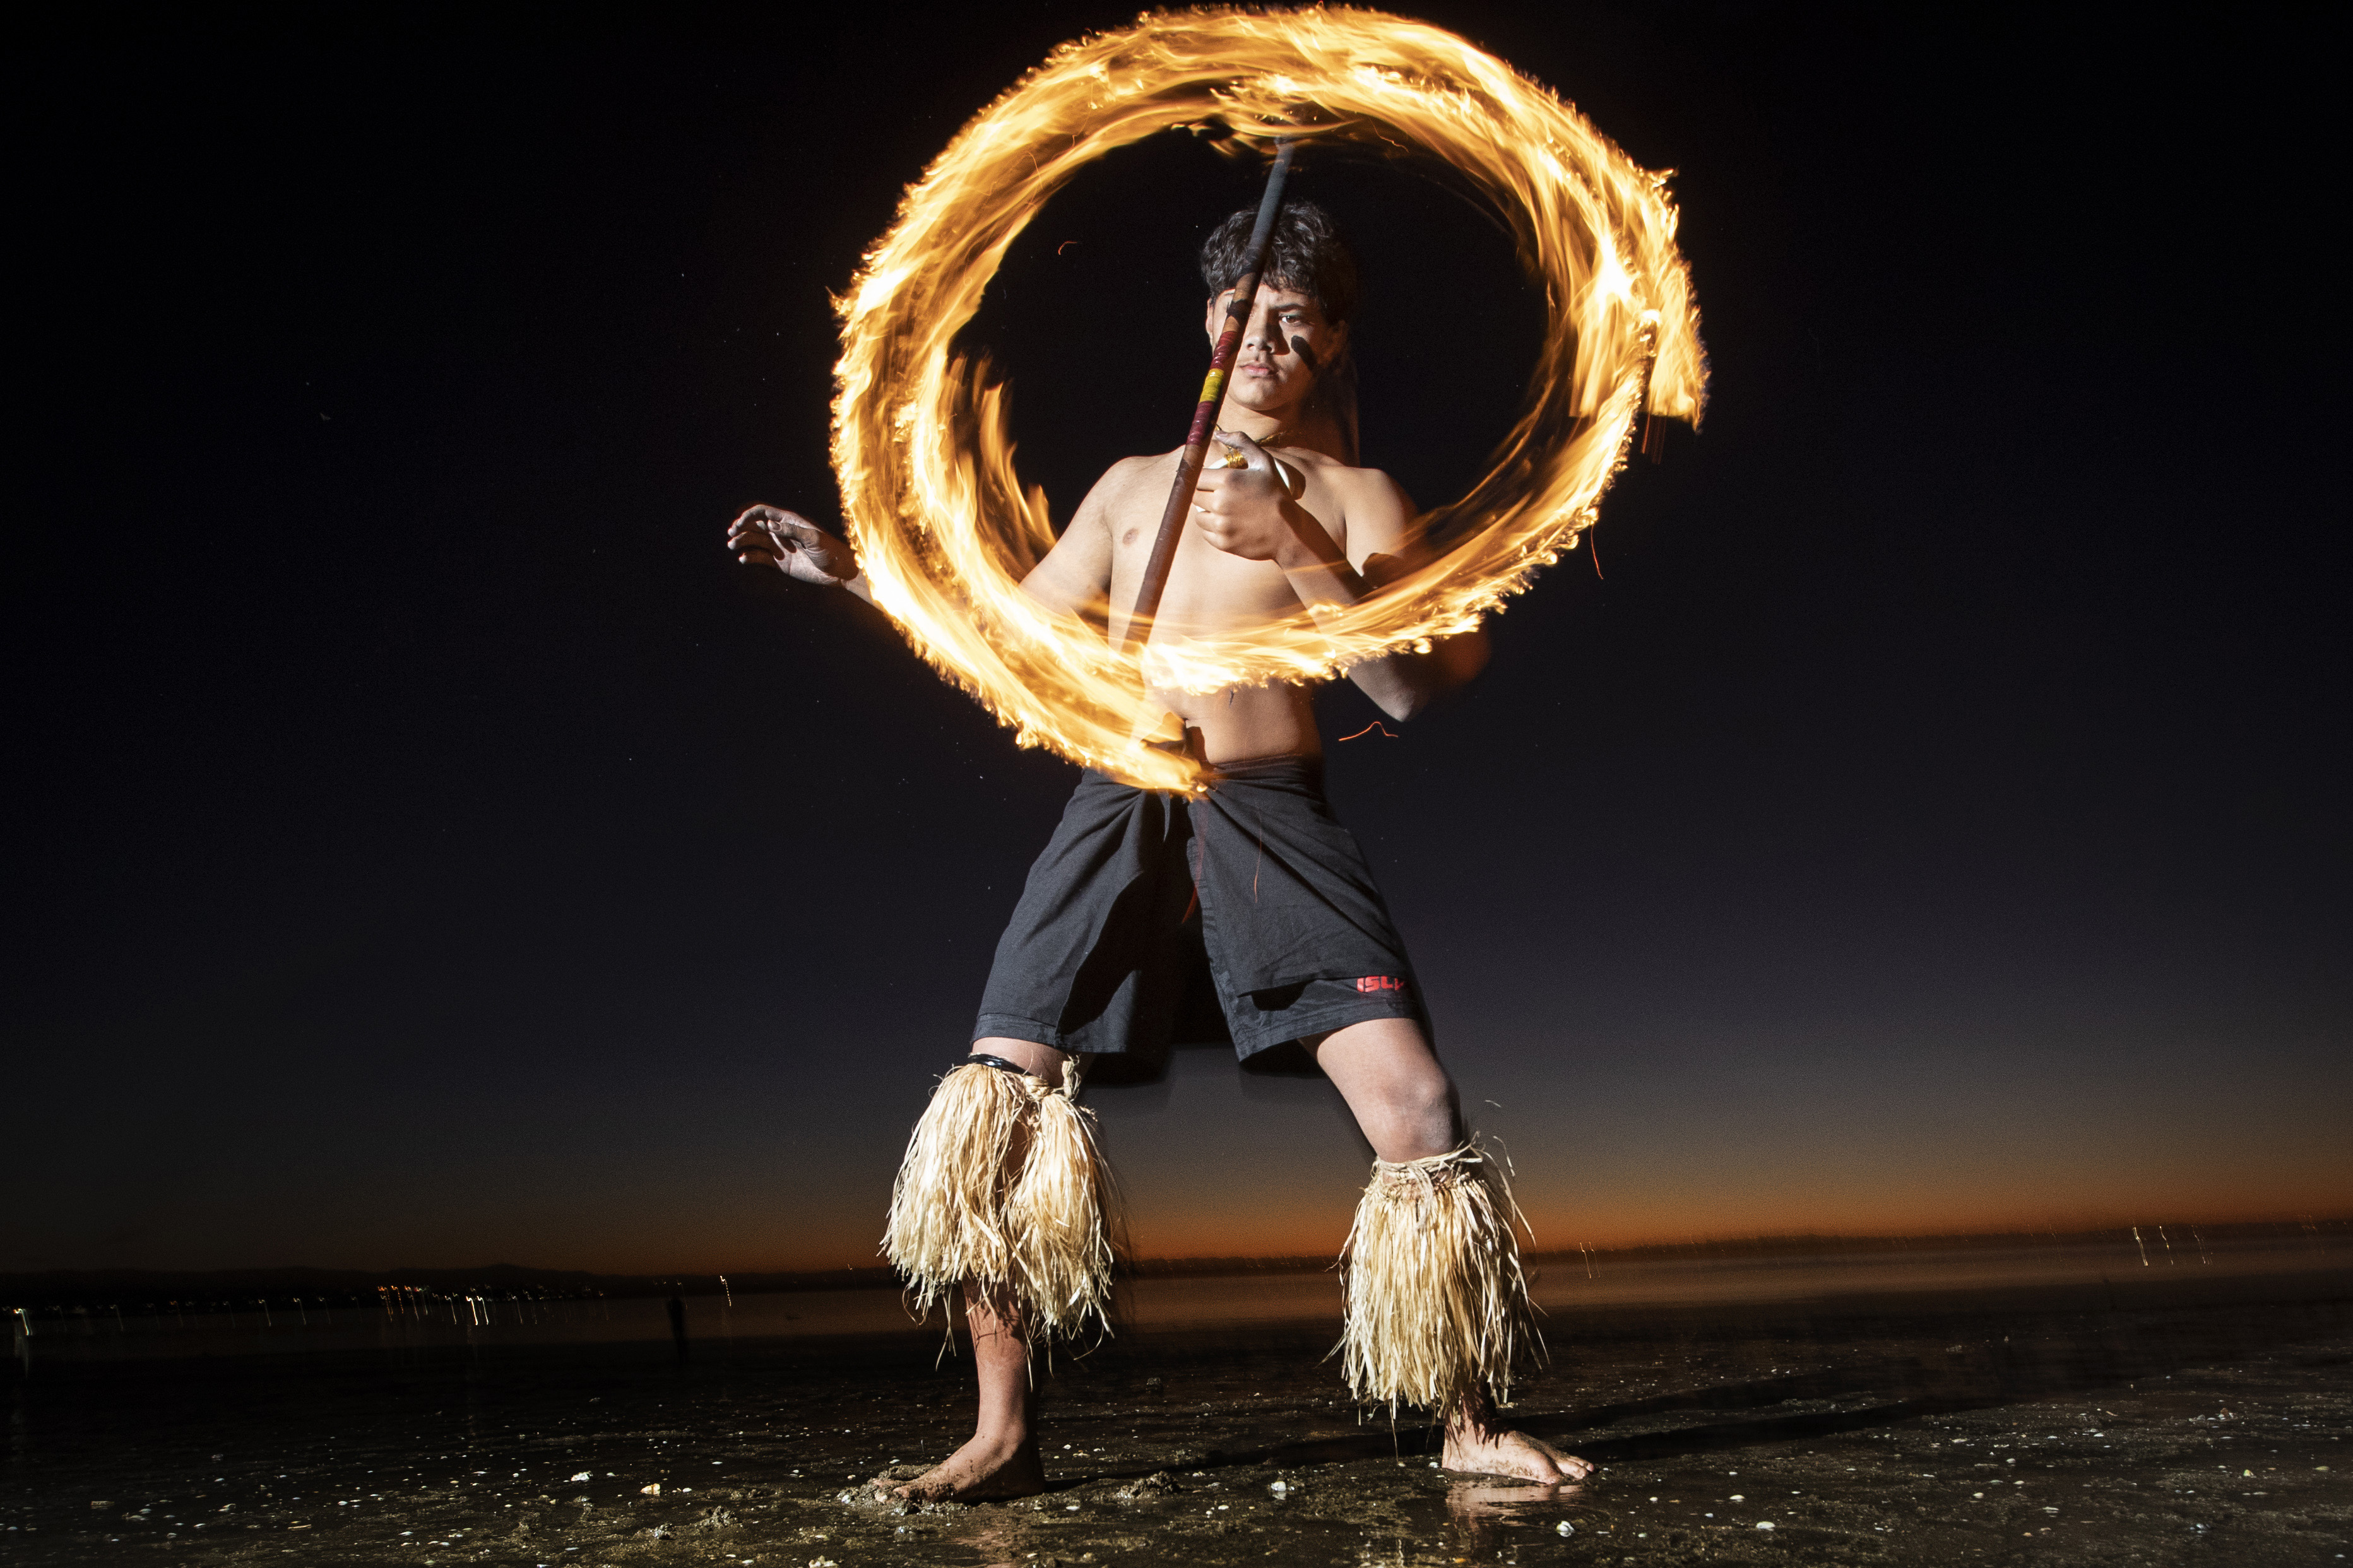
1203,1261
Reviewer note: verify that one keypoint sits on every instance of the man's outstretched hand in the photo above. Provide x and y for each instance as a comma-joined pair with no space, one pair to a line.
771,536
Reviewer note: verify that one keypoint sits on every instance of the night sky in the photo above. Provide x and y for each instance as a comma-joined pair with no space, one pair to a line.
1925,808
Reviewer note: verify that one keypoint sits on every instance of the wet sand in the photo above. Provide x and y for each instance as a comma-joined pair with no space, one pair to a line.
2184,1417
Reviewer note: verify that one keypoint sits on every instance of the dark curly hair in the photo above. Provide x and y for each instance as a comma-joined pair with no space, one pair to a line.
1305,252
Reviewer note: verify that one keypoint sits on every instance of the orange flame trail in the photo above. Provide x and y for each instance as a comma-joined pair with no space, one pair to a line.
942,523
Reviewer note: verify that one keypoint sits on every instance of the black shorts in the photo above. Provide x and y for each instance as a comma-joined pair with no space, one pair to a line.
1248,916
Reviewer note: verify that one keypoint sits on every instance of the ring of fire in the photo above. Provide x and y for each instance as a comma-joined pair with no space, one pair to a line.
944,529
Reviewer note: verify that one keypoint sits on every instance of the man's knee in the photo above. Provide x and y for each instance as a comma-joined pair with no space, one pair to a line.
1418,1101
1425,1103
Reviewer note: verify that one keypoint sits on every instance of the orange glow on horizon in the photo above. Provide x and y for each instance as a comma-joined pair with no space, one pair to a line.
1179,1237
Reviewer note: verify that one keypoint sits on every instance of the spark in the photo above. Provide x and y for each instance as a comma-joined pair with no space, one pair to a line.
1368,729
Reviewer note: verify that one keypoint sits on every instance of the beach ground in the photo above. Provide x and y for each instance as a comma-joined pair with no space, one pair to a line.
2144,1422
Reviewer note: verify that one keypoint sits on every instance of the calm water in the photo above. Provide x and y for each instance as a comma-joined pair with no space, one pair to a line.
1146,1304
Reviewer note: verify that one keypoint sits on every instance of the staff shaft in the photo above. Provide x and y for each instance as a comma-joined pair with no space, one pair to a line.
1205,413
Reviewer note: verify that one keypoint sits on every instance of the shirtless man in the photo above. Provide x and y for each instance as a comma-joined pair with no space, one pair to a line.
1299,524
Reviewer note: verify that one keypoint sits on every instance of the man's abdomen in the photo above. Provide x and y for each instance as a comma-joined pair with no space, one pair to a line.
1247,722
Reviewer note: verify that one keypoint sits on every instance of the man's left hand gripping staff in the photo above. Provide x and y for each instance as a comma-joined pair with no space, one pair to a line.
771,536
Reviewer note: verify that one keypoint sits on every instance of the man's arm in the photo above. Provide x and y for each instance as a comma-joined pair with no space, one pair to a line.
1262,521
1075,577
1380,540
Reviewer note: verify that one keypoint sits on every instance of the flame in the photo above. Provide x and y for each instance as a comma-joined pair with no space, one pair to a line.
939,516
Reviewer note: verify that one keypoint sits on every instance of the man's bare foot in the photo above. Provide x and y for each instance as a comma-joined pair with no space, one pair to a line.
1479,1443
989,1467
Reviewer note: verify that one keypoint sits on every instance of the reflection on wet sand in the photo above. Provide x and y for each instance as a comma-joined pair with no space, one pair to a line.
2145,1414
1000,1542
1484,1512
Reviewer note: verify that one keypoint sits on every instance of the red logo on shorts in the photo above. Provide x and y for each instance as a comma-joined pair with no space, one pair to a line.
1380,982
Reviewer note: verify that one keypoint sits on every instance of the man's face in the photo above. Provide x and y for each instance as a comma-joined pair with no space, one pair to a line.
1270,376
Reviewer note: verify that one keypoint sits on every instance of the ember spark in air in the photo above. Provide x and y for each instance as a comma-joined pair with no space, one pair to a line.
942,524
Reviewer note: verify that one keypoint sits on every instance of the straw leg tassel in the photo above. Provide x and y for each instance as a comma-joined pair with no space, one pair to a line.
1004,1185
1437,1307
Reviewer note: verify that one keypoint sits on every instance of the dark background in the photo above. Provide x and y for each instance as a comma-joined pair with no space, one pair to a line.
1926,807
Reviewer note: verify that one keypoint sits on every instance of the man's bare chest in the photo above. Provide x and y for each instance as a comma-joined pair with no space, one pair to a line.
1206,587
